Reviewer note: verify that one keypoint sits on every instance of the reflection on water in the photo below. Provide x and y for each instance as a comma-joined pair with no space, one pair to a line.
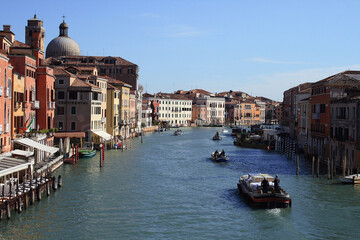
168,188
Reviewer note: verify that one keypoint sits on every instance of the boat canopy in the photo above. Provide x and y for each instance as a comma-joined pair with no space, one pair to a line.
18,152
31,143
103,134
260,176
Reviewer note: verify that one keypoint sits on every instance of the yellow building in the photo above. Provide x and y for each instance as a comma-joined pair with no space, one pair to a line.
113,111
18,99
124,106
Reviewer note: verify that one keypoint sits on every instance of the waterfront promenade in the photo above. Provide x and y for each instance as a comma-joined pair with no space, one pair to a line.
168,188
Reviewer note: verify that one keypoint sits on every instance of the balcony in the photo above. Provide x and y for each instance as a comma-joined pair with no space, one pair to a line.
1,128
1,91
53,105
49,105
7,128
103,120
35,105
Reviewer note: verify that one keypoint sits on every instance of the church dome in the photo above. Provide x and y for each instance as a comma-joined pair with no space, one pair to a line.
63,45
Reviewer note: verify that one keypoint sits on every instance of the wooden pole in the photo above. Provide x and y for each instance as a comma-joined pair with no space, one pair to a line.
7,207
59,181
329,168
344,166
297,165
101,149
313,165
318,167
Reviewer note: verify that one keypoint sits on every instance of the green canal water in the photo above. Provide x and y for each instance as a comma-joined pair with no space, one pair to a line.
168,188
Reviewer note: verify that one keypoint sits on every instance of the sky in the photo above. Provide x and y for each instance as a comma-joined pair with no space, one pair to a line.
260,47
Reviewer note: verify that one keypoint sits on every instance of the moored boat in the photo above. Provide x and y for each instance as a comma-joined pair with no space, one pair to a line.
262,190
86,153
350,179
219,157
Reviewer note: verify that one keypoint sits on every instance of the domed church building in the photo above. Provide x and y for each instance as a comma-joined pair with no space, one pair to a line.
62,45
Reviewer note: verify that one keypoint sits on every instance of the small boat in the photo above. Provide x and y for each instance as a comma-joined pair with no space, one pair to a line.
252,186
224,131
86,153
350,179
217,136
219,157
178,132
69,161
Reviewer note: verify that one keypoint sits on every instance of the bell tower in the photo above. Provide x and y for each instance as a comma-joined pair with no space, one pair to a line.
36,40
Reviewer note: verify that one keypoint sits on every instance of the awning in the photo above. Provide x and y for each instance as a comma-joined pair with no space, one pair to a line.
22,153
103,134
11,165
31,143
70,134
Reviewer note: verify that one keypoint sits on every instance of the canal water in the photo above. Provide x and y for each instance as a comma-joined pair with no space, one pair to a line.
168,188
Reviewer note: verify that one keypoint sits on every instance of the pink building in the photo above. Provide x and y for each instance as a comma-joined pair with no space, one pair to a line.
5,103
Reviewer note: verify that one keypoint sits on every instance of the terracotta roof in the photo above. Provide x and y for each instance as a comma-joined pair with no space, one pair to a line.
201,91
79,83
171,96
18,44
62,71
119,60
115,81
147,95
109,86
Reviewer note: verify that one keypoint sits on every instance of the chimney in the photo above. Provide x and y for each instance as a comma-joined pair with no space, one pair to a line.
7,28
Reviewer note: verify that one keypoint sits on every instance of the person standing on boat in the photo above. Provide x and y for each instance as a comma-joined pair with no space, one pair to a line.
277,183
265,185
222,154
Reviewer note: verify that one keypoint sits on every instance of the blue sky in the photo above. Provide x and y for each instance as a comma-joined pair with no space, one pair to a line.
260,47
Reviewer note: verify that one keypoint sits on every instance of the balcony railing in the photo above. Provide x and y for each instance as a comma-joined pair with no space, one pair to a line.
53,105
103,120
35,105
1,128
7,127
1,91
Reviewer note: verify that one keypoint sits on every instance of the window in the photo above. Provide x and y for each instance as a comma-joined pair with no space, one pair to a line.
72,95
73,126
60,111
61,81
61,125
61,95
322,108
73,110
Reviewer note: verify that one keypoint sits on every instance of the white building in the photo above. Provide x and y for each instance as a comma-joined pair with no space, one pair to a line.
215,107
173,108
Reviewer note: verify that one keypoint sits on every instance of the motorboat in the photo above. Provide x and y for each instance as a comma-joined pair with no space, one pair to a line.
178,132
217,136
219,157
350,179
86,153
224,130
262,192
